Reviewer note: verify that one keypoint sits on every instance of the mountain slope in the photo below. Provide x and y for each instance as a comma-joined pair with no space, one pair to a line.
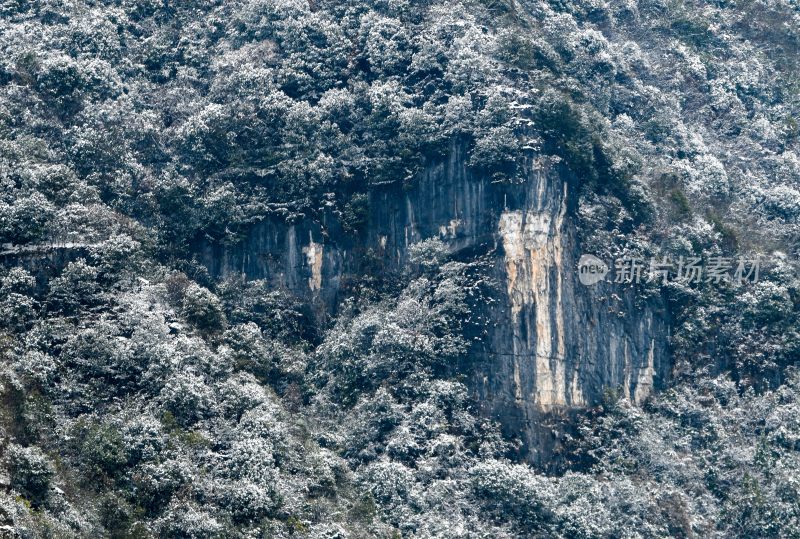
150,390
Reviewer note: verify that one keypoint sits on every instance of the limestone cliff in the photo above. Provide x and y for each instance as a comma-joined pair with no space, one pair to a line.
553,344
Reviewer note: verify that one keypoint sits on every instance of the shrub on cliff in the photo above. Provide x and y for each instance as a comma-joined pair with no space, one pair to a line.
31,472
203,308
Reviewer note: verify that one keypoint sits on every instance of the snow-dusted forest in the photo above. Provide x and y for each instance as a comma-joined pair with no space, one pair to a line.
212,325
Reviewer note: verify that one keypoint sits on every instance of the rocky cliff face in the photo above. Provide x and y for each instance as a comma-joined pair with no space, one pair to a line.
553,344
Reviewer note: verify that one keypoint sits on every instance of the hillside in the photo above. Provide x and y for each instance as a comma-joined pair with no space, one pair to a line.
283,268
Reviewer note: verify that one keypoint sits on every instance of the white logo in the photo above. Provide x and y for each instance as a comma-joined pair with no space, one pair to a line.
591,270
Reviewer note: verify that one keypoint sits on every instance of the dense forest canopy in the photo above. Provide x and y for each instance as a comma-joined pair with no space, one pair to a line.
142,398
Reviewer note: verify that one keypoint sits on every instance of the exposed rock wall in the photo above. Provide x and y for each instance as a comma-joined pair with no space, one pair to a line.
553,345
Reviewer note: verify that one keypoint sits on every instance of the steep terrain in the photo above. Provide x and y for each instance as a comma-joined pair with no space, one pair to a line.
283,268
545,343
